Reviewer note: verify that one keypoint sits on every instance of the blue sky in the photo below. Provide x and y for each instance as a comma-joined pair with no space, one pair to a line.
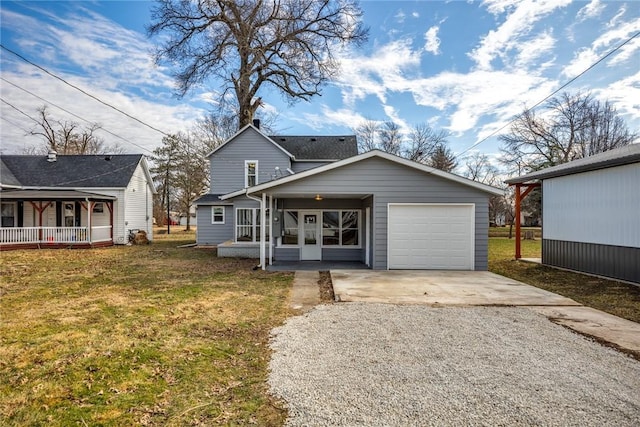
464,66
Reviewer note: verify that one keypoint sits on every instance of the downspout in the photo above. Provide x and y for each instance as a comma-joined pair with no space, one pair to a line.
262,229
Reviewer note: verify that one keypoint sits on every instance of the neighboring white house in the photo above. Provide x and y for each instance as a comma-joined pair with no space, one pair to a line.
74,200
591,213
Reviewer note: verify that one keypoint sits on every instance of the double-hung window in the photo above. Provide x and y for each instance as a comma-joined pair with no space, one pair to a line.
217,215
250,173
340,228
248,225
8,215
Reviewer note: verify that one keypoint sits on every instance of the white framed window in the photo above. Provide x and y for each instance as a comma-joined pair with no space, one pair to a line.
290,228
98,207
341,228
250,173
217,214
8,214
248,225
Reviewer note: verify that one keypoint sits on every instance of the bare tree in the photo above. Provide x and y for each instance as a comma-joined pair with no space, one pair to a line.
569,127
390,138
284,44
479,168
422,142
367,135
69,137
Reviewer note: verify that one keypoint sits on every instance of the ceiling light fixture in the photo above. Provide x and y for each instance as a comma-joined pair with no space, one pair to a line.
318,197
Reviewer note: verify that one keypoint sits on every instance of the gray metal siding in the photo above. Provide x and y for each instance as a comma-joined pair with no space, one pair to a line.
390,182
598,207
618,262
213,234
227,164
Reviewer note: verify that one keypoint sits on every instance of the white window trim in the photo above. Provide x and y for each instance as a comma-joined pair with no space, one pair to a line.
15,212
254,226
213,209
246,172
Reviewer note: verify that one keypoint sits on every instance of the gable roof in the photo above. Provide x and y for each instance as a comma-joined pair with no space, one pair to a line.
334,147
69,171
616,157
373,153
296,147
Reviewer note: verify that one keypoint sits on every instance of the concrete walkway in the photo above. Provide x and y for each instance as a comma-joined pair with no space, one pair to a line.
473,288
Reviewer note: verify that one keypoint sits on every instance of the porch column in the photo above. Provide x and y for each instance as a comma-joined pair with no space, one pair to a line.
271,229
89,210
263,230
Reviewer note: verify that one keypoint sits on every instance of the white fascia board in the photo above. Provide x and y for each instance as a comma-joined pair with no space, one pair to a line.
377,153
145,168
250,126
234,194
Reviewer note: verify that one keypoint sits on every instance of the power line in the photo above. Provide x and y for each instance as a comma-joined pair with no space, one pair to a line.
75,115
14,124
554,92
83,91
18,110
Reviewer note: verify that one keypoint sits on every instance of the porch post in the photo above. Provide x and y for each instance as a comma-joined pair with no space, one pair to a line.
271,229
89,210
263,230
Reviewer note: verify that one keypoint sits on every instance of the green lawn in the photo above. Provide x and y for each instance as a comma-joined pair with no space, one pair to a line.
620,299
140,335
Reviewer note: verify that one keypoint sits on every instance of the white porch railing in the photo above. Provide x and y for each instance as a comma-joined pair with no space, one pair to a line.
54,234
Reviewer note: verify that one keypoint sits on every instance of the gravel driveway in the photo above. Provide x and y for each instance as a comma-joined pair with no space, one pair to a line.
354,364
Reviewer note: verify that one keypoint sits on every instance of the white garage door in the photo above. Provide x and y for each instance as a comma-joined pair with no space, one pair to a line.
431,236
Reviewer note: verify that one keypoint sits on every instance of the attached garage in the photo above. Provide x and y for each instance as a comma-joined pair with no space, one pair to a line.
431,236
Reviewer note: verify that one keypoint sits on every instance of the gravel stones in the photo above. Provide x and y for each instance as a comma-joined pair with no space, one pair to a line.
356,364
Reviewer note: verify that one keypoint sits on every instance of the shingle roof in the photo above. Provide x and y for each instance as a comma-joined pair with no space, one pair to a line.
616,157
73,171
210,199
335,147
6,176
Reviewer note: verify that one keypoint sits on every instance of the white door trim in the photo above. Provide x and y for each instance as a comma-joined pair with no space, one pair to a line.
310,252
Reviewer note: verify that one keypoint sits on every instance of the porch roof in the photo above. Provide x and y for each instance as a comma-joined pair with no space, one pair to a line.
52,195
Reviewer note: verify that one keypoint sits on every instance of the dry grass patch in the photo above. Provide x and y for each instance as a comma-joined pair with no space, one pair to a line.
618,298
140,335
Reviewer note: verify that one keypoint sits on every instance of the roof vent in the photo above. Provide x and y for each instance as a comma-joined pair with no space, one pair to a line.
283,139
341,139
107,158
313,139
256,123
52,156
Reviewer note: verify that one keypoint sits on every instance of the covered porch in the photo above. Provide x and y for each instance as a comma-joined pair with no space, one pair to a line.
55,219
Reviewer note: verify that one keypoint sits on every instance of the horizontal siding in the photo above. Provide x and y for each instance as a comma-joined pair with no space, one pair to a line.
618,262
600,207
341,254
390,182
286,254
138,204
303,166
227,164
213,234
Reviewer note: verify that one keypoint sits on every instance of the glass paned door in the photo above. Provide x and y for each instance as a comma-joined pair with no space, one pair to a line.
311,249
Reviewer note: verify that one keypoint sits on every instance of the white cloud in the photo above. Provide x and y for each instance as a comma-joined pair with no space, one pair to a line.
100,56
587,56
624,94
339,117
415,14
400,16
531,51
432,42
591,10
517,24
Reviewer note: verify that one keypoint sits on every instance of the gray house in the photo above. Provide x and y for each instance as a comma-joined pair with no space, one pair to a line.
320,200
591,213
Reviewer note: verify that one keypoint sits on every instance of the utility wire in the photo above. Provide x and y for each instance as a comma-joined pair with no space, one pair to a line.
553,93
83,91
18,110
74,115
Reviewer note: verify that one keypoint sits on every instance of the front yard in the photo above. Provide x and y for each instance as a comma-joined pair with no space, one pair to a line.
140,335
156,335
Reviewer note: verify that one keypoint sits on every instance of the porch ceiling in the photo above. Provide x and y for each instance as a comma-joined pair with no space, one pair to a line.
52,195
